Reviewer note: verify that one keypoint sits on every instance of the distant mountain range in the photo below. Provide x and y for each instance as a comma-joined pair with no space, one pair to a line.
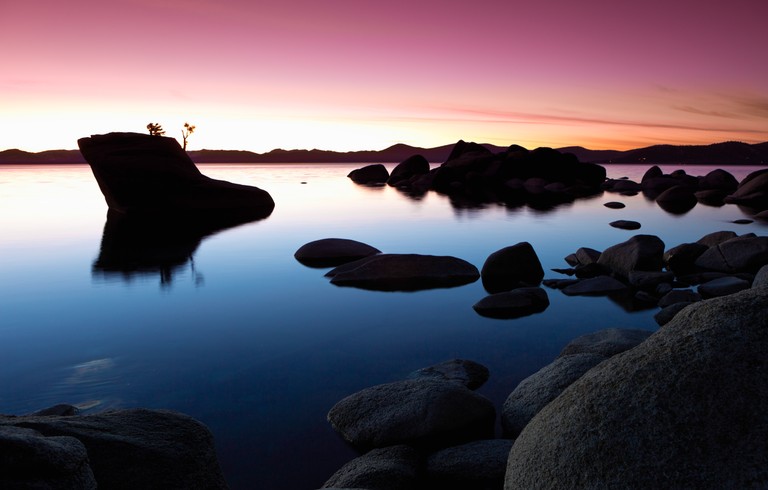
728,153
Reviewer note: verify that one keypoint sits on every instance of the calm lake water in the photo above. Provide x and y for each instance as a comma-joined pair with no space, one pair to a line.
258,346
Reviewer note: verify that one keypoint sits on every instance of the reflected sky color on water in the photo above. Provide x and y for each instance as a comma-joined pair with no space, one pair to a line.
258,346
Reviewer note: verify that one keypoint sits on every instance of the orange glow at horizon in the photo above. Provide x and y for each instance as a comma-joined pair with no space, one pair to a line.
344,77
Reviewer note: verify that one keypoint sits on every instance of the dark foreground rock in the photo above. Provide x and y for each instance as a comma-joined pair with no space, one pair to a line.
419,412
624,224
687,408
404,272
607,342
145,175
479,465
641,252
126,449
329,252
390,468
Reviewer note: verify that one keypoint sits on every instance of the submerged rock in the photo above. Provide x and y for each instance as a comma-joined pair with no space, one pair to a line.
625,224
147,175
687,408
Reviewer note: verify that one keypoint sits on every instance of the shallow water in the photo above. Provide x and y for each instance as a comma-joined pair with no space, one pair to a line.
259,347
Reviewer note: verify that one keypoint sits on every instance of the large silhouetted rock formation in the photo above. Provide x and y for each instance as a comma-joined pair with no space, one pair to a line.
141,174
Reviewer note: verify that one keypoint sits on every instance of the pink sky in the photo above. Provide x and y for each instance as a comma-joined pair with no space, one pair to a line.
346,75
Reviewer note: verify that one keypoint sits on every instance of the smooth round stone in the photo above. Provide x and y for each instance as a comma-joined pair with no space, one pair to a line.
625,224
614,205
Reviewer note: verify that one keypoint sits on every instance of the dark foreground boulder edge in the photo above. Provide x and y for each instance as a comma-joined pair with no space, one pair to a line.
389,468
687,408
124,449
145,175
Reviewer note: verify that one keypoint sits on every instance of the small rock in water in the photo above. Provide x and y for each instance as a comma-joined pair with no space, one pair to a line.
625,224
614,205
743,221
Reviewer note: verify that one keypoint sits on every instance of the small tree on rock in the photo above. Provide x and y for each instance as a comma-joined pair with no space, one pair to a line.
188,129
155,129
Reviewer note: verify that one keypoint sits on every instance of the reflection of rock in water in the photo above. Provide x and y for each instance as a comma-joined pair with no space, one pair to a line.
135,246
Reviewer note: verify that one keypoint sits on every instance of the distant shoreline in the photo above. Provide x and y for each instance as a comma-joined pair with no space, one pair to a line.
721,154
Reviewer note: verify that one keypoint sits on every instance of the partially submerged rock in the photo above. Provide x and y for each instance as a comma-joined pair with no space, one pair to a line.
512,267
625,224
404,272
146,175
641,252
370,175
333,251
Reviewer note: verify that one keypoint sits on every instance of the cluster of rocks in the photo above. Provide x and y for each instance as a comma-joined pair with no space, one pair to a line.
718,264
473,175
678,192
684,407
428,431
125,449
512,275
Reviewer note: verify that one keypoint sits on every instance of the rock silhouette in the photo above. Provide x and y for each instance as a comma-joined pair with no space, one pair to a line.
146,175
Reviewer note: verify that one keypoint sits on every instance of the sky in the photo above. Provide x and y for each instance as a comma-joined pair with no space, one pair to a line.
350,75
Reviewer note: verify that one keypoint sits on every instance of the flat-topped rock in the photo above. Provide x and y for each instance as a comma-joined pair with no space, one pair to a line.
625,224
142,175
329,252
641,252
404,272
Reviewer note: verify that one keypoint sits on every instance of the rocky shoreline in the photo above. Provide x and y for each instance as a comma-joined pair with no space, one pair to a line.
684,406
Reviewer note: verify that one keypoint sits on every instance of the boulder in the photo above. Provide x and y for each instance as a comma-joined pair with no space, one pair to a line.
469,374
374,174
649,280
641,252
417,412
723,286
537,390
464,153
678,296
135,448
606,343
409,168
389,468
761,278
479,465
652,173
591,270
329,252
682,258
583,256
28,459
145,175
716,238
719,179
513,304
623,186
511,267
740,254
625,224
595,286
687,408
404,272
666,314
711,197
752,191
677,199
